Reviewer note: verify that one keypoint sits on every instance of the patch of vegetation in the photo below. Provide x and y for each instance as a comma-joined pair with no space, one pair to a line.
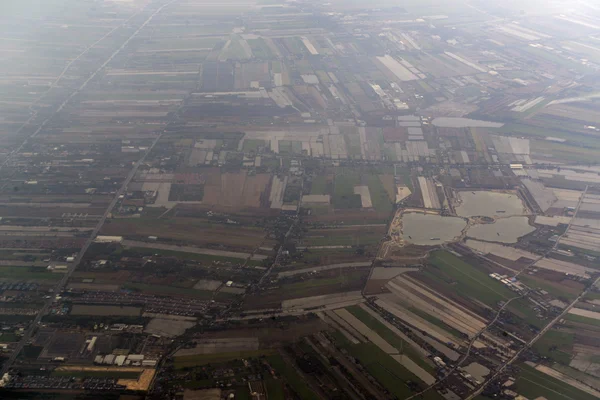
388,372
465,279
274,389
556,346
532,384
260,49
31,352
253,145
218,358
583,320
379,196
28,274
319,185
557,290
183,192
391,337
292,377
523,310
343,190
433,320
189,256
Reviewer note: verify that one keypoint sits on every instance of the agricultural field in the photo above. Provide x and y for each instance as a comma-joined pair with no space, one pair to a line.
198,232
467,280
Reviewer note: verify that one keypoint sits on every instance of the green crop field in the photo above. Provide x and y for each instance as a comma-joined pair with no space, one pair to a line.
343,189
379,196
260,49
319,185
28,274
466,280
253,145
583,320
387,371
556,346
292,377
533,384
390,337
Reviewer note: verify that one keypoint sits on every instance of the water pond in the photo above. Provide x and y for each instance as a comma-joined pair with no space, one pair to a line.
489,204
504,230
430,229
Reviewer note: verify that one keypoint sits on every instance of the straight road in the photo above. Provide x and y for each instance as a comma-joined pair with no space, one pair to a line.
62,283
60,286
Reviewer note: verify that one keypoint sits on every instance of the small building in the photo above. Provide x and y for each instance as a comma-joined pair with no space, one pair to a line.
108,239
149,363
109,359
91,344
135,357
120,360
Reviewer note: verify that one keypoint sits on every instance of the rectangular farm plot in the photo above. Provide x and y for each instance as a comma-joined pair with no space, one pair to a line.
365,196
79,309
400,71
188,231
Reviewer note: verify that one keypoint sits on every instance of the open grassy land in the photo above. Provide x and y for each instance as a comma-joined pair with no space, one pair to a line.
347,236
556,346
260,49
533,131
203,359
523,309
253,145
191,256
583,320
555,288
292,378
566,152
320,185
28,274
345,280
390,337
198,231
533,384
466,280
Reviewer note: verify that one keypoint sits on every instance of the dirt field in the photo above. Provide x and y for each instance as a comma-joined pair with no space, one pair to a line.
387,180
105,310
255,192
168,327
236,190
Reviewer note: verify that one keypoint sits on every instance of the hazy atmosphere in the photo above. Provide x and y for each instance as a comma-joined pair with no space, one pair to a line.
298,200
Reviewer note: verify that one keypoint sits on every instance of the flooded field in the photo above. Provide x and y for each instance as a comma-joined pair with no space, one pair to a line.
505,230
420,229
450,122
489,204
